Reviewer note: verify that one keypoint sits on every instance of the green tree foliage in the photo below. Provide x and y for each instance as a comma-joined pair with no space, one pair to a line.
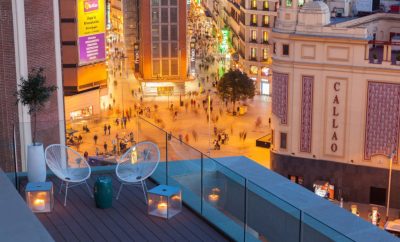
34,93
234,86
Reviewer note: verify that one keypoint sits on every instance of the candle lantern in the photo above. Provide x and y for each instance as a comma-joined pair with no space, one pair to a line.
39,196
164,201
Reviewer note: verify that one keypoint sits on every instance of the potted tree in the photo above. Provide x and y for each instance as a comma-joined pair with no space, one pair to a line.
398,59
34,93
375,57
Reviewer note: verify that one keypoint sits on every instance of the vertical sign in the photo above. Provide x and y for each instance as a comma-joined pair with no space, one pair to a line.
91,31
136,54
335,117
192,57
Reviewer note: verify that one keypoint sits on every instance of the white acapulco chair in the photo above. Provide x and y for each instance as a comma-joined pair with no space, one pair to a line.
69,166
137,164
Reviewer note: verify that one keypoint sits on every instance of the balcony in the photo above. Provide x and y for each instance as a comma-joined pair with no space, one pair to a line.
235,195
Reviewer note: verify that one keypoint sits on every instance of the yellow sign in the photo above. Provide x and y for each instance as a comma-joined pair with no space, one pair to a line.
91,17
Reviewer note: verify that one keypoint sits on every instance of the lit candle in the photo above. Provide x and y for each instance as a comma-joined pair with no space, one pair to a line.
162,208
39,204
213,197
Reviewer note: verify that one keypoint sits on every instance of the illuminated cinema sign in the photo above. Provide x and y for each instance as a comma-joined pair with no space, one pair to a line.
91,31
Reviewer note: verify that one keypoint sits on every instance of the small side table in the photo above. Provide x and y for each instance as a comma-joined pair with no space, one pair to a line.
164,201
103,192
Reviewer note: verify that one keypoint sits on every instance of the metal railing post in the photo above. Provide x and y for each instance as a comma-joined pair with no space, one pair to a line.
166,158
201,184
245,210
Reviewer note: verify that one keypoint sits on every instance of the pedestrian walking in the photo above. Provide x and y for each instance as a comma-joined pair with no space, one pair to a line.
105,147
244,136
95,139
194,133
109,129
269,122
105,129
86,156
180,138
187,138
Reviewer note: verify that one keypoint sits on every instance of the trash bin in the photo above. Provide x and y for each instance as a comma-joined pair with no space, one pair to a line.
103,192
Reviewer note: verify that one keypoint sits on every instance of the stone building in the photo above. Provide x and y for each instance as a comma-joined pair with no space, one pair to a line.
336,100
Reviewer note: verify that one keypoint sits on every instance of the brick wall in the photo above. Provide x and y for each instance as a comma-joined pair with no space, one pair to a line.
41,53
8,108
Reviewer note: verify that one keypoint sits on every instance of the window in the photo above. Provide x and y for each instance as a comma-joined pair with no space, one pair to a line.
156,2
265,54
155,15
253,20
164,32
164,15
156,67
254,36
174,49
173,15
174,32
165,50
266,6
285,49
164,2
265,37
283,140
266,21
165,67
174,67
288,3
156,50
254,4
155,35
253,53
301,3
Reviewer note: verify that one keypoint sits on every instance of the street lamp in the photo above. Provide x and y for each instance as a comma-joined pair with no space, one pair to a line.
390,182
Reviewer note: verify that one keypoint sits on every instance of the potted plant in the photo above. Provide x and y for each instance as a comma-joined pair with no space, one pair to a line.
398,59
375,57
34,93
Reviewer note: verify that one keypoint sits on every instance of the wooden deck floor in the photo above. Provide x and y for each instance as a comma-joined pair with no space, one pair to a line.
127,220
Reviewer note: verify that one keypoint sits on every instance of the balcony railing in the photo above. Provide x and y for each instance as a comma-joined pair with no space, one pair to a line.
260,207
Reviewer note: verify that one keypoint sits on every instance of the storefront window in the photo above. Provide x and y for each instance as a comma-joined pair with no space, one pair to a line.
265,71
253,70
84,112
264,87
288,3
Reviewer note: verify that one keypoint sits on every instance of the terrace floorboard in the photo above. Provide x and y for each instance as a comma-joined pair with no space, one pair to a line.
127,220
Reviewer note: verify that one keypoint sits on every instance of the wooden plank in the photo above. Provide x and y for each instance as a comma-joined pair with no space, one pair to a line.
75,210
50,227
114,225
174,229
140,212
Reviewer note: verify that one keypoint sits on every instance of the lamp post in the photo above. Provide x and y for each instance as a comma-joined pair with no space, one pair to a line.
390,183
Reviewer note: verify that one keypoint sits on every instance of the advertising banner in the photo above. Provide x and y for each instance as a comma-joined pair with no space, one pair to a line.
192,57
91,31
136,54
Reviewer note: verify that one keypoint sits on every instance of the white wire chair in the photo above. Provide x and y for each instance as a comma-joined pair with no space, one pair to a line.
69,166
137,164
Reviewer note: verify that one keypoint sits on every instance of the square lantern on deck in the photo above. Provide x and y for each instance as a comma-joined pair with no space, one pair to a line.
164,201
39,196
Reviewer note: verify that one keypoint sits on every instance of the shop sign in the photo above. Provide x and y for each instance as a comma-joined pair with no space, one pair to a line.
136,54
335,117
192,57
91,17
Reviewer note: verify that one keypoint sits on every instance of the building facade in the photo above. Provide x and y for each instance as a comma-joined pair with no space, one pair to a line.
163,61
250,23
336,100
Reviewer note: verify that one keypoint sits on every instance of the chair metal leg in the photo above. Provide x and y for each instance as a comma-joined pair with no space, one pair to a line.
90,192
144,191
61,185
119,190
66,193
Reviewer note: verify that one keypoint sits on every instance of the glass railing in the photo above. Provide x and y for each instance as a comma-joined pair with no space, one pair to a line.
239,207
